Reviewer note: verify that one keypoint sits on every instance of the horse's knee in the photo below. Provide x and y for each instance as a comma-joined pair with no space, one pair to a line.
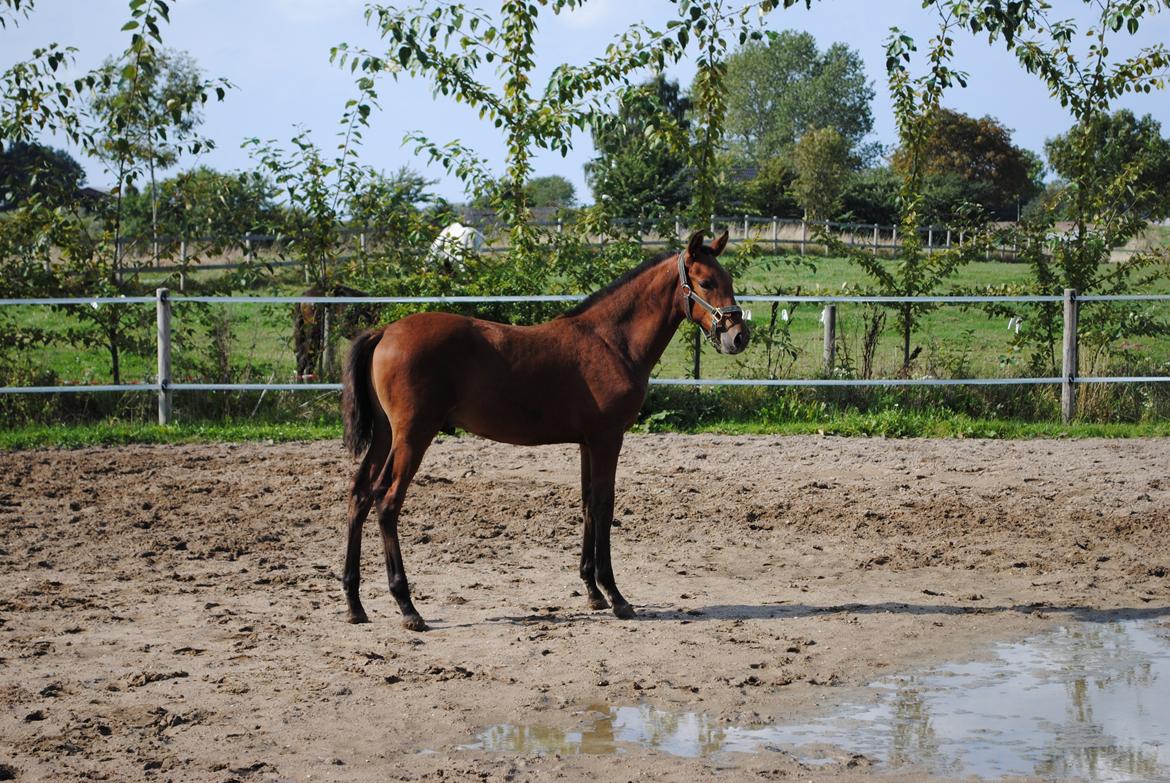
350,582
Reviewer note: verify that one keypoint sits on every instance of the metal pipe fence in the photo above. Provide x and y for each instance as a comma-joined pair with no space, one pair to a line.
165,387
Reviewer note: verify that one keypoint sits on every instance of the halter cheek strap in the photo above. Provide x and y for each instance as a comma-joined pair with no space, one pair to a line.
718,314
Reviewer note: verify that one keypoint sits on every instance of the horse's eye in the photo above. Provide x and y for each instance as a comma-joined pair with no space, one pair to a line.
705,284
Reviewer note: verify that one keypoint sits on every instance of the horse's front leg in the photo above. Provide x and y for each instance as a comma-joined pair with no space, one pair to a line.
589,539
603,469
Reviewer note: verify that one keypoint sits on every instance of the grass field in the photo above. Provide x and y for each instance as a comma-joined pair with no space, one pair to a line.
953,339
887,424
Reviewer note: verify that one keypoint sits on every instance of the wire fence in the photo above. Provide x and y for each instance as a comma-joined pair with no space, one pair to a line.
165,387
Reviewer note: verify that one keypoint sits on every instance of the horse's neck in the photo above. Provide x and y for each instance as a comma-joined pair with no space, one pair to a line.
641,317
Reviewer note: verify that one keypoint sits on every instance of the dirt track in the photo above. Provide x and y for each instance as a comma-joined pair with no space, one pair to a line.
175,612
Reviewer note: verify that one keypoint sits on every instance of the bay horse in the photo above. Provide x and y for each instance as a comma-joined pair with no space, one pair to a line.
311,344
579,378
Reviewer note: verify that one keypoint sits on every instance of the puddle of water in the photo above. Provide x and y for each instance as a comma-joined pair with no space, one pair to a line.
1090,701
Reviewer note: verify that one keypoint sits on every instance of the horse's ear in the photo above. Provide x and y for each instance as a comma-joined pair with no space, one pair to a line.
695,244
719,244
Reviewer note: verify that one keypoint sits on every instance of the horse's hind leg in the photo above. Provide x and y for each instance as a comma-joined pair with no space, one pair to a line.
588,545
361,497
406,453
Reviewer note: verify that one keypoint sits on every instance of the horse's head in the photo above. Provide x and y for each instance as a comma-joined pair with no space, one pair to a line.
706,295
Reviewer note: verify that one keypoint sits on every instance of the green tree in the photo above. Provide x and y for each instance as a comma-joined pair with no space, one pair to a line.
871,196
978,154
821,160
916,100
29,170
638,174
1076,60
451,45
770,191
781,86
203,202
552,191
1111,146
150,115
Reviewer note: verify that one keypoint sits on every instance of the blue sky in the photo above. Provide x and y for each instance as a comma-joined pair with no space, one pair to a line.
276,52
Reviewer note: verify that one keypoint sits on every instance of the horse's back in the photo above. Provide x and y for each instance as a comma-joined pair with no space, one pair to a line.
519,384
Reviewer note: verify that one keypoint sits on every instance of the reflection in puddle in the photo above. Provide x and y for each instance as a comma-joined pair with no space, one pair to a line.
1091,700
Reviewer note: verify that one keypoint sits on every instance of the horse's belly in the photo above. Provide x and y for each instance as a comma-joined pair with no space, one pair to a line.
523,425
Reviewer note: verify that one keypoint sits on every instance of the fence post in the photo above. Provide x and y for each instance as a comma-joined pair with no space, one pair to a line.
248,247
1068,370
803,234
775,235
745,228
829,317
163,313
875,239
677,228
930,241
894,243
948,239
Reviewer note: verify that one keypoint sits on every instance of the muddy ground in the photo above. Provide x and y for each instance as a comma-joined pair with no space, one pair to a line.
174,612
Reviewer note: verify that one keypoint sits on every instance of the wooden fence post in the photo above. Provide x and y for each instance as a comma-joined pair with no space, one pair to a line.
875,239
163,315
803,235
829,317
775,235
677,228
894,243
746,229
930,241
1068,370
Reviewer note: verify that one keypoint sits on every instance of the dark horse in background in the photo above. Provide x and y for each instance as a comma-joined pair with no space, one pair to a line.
315,325
580,378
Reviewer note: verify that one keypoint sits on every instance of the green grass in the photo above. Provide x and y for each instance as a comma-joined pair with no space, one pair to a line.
76,436
896,424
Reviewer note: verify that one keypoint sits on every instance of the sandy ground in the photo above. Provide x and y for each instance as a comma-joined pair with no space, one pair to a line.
174,613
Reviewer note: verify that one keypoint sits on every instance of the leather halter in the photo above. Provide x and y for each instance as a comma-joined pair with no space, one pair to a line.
718,314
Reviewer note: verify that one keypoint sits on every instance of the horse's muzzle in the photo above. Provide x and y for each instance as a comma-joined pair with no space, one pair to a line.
734,339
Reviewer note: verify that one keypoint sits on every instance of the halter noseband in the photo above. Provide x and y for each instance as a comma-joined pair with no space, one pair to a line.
718,314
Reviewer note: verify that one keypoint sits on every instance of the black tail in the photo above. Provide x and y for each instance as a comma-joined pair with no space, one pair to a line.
356,405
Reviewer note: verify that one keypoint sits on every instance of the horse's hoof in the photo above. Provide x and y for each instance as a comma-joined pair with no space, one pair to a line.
412,622
625,612
357,618
598,602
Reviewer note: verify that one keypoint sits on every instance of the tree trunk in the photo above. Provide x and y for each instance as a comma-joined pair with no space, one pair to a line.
153,214
906,324
115,355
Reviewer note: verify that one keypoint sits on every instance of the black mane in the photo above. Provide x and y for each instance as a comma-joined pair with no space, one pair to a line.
600,294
